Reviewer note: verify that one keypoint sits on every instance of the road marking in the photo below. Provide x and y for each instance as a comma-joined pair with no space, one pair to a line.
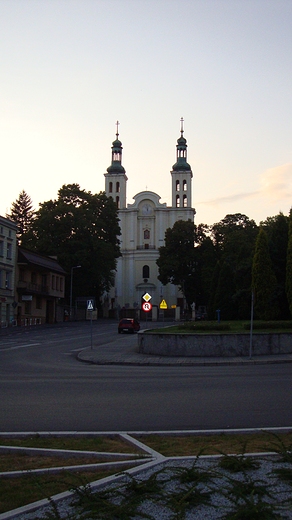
21,346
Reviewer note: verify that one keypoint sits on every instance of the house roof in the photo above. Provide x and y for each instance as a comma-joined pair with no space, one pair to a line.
45,262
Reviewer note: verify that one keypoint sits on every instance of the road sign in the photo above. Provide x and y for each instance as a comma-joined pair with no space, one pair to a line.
146,306
147,297
90,305
163,304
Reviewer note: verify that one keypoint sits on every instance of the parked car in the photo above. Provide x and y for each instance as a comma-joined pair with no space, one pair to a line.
128,325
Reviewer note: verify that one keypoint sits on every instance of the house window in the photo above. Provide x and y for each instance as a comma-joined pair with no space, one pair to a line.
146,234
9,251
53,282
33,277
57,283
38,302
145,271
1,248
61,283
21,275
8,280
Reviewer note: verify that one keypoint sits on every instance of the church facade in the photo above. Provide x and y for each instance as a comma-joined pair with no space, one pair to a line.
143,224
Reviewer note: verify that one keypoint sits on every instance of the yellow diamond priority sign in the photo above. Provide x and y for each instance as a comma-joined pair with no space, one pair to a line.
147,297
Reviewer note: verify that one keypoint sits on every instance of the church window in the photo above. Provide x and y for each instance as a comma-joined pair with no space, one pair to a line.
177,186
146,234
118,202
185,185
177,201
110,187
185,201
116,156
117,187
145,271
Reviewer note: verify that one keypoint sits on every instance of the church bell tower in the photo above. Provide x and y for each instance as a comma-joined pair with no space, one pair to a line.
181,175
115,178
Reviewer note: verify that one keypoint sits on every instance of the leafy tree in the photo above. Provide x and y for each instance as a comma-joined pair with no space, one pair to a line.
234,239
289,264
177,260
264,281
81,229
22,214
277,232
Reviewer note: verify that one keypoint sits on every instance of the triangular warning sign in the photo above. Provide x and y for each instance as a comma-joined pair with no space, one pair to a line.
89,305
163,305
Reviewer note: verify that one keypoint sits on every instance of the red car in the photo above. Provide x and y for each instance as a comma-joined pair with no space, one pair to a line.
128,325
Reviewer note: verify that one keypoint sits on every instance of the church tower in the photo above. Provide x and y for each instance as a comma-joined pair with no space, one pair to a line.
115,178
181,175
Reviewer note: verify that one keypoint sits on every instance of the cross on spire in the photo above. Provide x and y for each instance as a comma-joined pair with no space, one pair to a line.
117,133
181,125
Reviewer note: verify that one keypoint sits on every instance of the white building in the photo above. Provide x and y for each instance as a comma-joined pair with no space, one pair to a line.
143,225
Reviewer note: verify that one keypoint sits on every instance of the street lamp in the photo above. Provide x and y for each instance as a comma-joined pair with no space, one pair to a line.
71,288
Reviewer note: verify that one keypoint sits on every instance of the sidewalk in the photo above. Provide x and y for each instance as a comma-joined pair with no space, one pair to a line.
130,357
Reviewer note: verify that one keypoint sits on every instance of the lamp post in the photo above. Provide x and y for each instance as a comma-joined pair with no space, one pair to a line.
71,288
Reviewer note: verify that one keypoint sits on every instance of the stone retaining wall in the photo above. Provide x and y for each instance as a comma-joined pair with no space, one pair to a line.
213,345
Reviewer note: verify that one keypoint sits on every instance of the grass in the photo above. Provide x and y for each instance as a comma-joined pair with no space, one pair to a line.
89,443
232,327
16,492
195,445
22,461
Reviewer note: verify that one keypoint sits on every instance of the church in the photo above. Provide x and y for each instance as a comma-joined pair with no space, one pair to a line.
143,224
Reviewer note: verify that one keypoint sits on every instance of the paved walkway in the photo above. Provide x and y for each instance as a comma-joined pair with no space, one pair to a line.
129,356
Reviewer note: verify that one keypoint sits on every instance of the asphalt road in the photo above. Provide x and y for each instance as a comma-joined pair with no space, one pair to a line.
44,388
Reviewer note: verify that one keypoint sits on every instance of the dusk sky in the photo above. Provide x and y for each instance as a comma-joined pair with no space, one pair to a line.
71,68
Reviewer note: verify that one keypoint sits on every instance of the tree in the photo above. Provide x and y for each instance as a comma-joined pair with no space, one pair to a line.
178,260
289,264
22,214
264,281
277,232
234,238
81,229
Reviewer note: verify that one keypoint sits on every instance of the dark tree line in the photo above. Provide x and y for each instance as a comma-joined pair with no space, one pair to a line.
221,265
79,228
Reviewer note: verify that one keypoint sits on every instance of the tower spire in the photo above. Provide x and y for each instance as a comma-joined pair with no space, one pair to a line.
117,132
181,126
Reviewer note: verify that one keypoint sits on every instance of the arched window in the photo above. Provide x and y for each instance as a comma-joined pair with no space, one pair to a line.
110,187
177,186
146,234
185,186
185,201
145,271
118,202
117,187
177,201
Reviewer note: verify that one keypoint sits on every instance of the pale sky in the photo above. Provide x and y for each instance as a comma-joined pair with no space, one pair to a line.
69,69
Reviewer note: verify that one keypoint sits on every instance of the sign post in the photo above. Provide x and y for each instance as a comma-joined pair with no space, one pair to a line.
163,306
90,309
146,305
